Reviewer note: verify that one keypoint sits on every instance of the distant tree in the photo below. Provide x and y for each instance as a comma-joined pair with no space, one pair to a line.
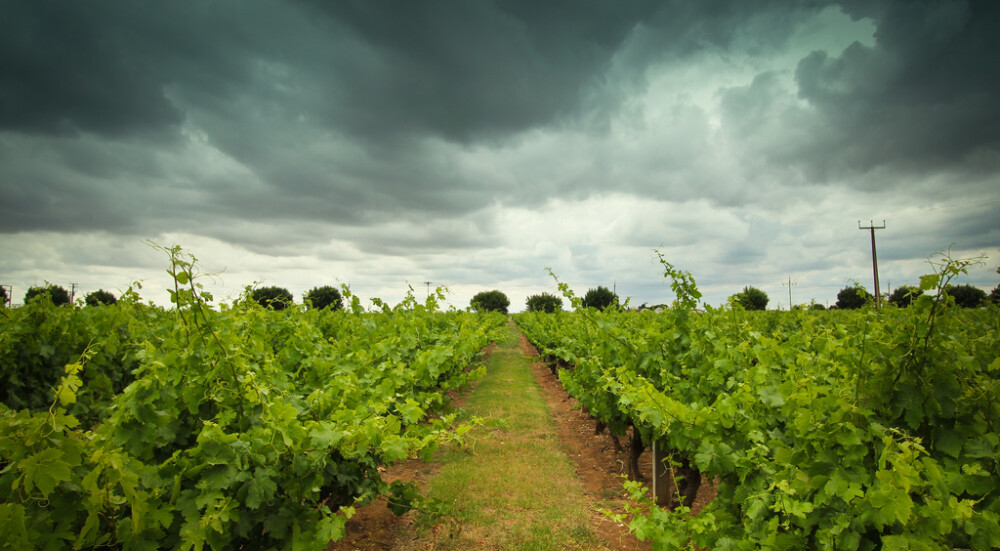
995,293
323,297
967,296
99,297
852,298
276,298
751,298
490,301
4,299
599,298
58,295
545,302
905,295
817,306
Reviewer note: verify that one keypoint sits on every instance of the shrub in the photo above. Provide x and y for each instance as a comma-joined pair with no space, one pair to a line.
966,296
904,295
852,298
599,298
276,298
58,295
490,301
751,298
544,302
323,297
4,299
99,297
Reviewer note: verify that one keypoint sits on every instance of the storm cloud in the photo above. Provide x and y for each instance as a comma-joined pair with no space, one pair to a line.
438,139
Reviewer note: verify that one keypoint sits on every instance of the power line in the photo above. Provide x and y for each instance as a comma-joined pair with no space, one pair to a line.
958,206
790,285
872,227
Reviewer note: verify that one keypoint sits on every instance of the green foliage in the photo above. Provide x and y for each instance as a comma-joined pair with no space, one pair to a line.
490,301
599,298
870,429
4,299
994,296
99,297
275,298
817,306
904,295
56,294
243,429
39,339
967,296
853,297
324,297
544,302
750,298
683,285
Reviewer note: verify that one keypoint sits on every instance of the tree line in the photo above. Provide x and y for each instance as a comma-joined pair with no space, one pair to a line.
496,301
60,296
855,296
276,298
750,298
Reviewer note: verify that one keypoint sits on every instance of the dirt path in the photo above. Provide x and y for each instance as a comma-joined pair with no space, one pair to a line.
592,459
597,464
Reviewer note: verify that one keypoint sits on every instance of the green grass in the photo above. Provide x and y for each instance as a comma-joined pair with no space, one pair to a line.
511,486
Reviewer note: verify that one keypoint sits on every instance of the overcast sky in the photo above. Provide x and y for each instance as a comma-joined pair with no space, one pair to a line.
473,144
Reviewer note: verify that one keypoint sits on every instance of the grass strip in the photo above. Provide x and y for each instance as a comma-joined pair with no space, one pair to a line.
510,486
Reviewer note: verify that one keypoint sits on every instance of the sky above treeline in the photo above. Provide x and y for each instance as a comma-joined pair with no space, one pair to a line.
474,144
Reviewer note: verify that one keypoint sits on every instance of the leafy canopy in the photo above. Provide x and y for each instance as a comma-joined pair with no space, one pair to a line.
490,301
967,296
276,298
545,302
99,297
905,295
323,297
750,298
57,294
852,298
599,298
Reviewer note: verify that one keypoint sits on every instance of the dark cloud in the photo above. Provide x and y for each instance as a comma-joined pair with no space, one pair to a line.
394,128
477,69
926,96
72,66
456,70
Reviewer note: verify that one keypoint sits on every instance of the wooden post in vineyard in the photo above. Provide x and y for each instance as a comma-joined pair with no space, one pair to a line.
663,484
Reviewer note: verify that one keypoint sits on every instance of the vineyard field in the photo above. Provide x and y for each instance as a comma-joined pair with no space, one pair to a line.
224,427
868,429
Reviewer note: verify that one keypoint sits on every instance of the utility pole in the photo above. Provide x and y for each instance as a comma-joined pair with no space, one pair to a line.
790,285
872,227
72,293
428,283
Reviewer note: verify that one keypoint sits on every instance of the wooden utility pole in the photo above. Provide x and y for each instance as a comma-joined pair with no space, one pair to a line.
872,227
790,285
428,283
